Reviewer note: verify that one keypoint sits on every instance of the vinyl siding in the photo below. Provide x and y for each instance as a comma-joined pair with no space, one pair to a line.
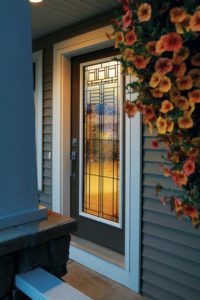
170,249
46,194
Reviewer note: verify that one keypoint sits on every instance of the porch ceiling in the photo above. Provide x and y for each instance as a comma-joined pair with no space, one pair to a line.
52,15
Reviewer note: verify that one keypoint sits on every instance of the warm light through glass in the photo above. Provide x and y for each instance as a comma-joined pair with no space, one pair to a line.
101,160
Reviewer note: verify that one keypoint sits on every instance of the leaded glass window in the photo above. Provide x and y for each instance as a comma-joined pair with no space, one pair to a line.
102,140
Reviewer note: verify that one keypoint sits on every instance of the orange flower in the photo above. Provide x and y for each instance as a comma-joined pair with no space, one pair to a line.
190,211
183,26
140,62
163,65
172,41
129,71
195,21
181,55
157,93
194,96
150,127
185,122
188,113
166,172
179,178
127,20
161,125
195,60
174,94
155,144
148,113
189,167
139,106
166,106
144,12
119,38
151,47
177,15
165,84
127,53
179,70
160,47
184,83
195,75
178,206
155,80
130,109
169,42
170,125
174,158
182,103
130,38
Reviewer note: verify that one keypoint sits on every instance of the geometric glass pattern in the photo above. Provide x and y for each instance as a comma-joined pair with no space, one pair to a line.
101,140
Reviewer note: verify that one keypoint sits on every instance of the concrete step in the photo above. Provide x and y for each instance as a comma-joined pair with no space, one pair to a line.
38,284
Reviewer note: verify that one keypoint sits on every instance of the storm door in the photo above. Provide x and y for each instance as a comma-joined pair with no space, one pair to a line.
97,149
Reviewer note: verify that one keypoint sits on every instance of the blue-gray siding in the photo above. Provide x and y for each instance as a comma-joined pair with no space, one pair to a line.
46,194
170,249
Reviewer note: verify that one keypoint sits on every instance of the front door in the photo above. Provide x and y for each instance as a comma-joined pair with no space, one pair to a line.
97,194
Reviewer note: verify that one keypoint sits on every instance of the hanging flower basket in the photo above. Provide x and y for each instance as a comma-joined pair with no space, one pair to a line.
160,48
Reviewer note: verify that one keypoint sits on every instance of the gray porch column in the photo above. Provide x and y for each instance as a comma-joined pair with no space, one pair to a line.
18,178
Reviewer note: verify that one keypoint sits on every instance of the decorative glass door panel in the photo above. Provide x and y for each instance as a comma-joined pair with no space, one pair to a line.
97,201
101,127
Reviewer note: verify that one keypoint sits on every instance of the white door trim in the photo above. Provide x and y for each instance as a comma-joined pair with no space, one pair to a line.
130,274
38,95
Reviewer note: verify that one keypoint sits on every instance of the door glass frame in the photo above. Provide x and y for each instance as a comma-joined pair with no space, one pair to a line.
81,151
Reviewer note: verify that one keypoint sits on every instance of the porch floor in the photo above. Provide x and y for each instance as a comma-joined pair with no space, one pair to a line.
97,286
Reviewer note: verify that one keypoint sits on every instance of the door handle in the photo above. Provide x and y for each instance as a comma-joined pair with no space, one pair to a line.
73,162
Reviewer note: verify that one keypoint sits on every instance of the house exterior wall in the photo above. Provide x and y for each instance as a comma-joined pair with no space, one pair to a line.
170,249
45,196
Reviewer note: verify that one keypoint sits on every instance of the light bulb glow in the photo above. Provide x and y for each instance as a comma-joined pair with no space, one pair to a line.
35,1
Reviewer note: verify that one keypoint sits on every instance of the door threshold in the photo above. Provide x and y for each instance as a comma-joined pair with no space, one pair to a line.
99,251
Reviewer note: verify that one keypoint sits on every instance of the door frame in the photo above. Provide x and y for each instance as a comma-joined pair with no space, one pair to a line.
61,164
38,96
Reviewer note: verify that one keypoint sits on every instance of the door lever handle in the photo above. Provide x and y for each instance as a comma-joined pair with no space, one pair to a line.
73,161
